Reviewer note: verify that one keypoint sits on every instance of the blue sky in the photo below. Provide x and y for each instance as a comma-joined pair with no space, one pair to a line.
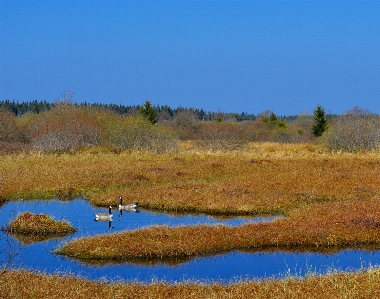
232,56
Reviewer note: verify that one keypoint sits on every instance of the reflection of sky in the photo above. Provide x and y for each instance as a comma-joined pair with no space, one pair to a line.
225,267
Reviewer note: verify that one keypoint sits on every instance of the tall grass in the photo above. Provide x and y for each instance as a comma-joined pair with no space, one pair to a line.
363,284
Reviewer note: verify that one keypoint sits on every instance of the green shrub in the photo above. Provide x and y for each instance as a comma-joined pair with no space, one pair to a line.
137,133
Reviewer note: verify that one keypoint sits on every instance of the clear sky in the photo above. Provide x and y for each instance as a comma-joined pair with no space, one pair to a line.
232,56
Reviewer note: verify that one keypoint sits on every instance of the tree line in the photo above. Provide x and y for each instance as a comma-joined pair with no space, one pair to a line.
165,111
66,126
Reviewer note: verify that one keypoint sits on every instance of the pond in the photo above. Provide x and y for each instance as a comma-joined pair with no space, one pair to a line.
225,268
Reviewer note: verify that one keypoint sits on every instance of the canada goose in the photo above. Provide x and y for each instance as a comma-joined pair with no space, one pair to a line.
130,207
104,216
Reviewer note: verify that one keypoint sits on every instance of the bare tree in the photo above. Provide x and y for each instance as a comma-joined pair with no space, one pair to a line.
66,98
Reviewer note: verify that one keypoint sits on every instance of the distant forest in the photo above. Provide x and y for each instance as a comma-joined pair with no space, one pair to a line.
37,107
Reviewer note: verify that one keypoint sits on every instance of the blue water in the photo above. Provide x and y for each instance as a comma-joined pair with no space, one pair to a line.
233,266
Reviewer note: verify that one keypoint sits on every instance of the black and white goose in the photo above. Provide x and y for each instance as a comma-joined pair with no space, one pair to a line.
104,216
131,207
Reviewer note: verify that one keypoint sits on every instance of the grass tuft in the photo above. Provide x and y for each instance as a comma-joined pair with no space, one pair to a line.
29,223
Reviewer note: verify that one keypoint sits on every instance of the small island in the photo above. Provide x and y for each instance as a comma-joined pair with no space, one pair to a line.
31,224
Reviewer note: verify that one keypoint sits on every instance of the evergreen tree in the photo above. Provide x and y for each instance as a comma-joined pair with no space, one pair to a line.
320,122
148,112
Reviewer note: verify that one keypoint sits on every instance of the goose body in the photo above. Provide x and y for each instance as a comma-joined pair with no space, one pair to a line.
104,216
130,207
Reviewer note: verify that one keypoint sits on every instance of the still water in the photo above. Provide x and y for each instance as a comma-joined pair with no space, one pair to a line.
233,266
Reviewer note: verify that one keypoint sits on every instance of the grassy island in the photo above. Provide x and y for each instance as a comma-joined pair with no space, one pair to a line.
29,223
318,227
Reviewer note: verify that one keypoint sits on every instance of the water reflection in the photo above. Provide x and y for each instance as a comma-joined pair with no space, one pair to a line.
127,211
29,239
105,220
221,267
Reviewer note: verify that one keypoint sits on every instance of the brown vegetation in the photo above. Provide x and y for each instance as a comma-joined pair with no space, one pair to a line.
330,200
318,227
355,131
28,223
22,284
267,178
65,127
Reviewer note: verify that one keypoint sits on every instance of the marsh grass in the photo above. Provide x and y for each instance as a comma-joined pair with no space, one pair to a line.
362,284
38,226
330,201
298,181
266,179
319,227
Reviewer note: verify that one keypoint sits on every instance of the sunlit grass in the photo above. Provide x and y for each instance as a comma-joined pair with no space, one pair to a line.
363,284
317,227
329,200
28,223
266,179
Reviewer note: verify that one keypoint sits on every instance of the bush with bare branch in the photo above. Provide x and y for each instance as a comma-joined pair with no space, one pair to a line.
222,136
355,132
64,128
185,124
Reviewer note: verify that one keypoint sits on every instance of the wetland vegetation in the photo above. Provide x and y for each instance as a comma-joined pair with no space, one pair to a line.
38,224
29,227
327,190
363,284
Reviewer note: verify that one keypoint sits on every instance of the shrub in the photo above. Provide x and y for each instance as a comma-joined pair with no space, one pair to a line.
8,127
221,136
64,128
185,124
355,133
136,132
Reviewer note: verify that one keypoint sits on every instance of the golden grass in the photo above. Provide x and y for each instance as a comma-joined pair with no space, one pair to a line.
267,178
28,223
329,199
328,226
23,284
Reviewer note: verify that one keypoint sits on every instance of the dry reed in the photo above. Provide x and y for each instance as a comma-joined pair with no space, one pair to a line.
23,284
